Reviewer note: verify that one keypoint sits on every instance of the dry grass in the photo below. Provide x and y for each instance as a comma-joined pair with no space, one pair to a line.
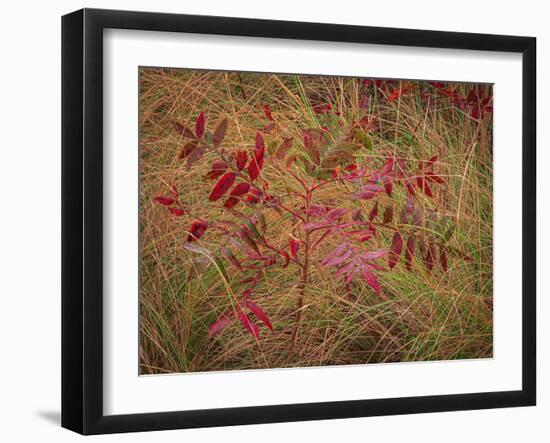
420,315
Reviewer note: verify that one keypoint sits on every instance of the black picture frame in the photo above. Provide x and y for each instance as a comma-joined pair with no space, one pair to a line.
82,218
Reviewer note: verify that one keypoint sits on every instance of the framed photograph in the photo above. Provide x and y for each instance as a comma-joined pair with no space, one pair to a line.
271,221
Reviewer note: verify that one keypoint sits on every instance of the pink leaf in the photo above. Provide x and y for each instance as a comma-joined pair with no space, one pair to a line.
219,324
259,313
371,279
250,327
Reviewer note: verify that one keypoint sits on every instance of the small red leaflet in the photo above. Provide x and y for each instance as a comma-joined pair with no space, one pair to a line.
294,246
176,211
166,201
267,113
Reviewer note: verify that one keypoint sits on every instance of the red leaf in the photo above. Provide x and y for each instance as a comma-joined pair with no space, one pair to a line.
267,113
218,168
259,313
410,187
166,201
388,167
222,186
257,162
322,109
241,158
254,196
198,228
427,189
250,327
219,324
176,211
240,189
219,133
199,125
230,202
183,130
395,250
373,212
409,253
294,246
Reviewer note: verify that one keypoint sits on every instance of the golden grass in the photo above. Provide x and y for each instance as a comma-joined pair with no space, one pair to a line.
420,315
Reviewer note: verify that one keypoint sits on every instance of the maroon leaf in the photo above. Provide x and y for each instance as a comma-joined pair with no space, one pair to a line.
198,228
373,212
166,201
187,149
443,258
183,130
388,215
241,157
222,186
199,125
240,189
259,313
395,250
368,191
176,211
409,253
356,215
250,327
218,168
219,133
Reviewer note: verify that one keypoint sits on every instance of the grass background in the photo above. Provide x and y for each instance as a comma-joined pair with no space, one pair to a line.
421,316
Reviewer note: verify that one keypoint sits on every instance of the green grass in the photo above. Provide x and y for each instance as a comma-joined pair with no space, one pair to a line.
420,316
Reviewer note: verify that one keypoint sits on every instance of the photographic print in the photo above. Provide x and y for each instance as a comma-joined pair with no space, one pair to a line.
291,220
